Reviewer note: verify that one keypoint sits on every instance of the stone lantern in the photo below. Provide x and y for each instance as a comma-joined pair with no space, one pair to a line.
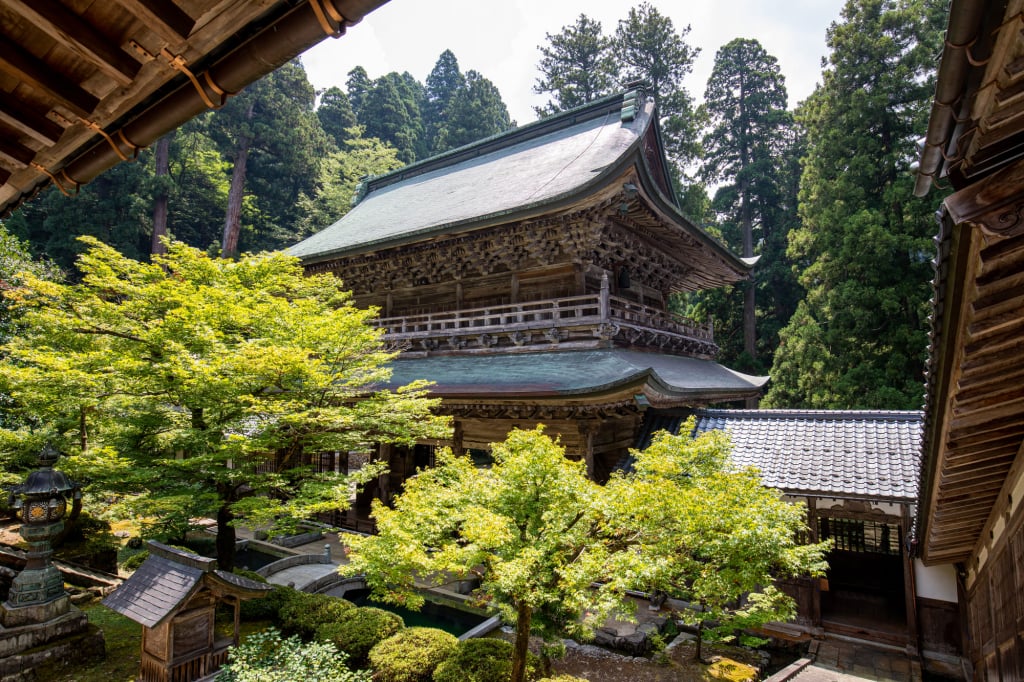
37,593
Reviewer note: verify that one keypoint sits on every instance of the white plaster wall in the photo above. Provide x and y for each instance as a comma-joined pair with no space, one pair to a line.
935,582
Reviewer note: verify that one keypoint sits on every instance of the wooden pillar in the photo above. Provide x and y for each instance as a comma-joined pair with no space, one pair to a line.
384,480
238,620
812,537
389,304
457,434
514,288
458,295
589,429
909,582
605,302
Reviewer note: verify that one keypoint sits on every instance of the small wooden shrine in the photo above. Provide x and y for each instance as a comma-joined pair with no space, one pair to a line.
528,276
178,597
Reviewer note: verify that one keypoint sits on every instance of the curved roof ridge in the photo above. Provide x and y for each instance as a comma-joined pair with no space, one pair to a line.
501,140
818,415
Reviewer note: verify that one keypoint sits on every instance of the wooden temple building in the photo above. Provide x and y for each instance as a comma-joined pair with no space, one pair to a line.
857,473
972,481
528,276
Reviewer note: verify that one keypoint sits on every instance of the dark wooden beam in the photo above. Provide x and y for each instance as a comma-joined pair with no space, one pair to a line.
76,34
163,17
15,62
4,175
15,153
15,114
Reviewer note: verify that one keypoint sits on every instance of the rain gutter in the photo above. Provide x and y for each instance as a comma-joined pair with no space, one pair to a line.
964,20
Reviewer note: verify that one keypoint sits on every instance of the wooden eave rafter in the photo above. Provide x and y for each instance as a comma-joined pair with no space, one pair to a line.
976,425
84,86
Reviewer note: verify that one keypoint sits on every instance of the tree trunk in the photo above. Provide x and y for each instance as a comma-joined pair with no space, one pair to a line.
523,615
749,315
750,287
163,164
233,217
700,641
225,537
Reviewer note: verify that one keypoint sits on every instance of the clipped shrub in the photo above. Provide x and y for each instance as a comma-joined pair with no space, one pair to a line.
360,630
411,655
483,660
303,613
267,607
266,657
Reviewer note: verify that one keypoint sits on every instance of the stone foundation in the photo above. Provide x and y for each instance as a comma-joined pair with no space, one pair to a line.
68,638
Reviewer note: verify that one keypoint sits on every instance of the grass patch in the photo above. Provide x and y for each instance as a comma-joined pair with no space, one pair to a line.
124,642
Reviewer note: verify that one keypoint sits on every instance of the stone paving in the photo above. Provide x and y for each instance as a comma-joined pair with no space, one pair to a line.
836,660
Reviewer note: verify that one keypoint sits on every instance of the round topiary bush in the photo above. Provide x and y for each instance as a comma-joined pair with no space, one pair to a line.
303,613
411,655
267,607
360,630
482,660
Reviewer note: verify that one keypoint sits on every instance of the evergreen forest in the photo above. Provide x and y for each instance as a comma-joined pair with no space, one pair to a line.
821,190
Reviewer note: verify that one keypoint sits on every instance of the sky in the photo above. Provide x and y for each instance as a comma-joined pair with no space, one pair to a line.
499,38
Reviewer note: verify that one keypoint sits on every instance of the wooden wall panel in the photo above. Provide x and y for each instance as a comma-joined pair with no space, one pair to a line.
939,622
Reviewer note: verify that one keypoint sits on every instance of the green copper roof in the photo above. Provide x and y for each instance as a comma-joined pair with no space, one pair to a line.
574,373
488,180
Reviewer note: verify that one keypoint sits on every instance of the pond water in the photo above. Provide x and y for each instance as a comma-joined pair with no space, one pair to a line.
432,615
253,559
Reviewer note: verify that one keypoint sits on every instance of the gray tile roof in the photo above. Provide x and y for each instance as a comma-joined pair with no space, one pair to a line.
848,454
572,372
165,581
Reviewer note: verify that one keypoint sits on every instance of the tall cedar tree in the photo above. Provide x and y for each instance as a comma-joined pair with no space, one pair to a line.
336,115
650,49
443,82
556,553
858,339
745,104
475,111
577,66
358,86
273,139
201,387
391,113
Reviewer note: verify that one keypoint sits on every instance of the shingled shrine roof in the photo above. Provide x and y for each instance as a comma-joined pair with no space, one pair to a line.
847,454
167,579
575,372
557,163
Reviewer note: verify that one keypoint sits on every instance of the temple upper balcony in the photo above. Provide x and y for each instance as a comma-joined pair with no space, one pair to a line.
589,321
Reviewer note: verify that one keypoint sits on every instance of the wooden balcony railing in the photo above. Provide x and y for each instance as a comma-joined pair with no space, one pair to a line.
552,317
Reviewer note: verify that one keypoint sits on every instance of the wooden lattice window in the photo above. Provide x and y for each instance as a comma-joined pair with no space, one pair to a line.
854,535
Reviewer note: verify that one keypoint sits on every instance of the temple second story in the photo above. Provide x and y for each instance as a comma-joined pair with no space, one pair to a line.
565,231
